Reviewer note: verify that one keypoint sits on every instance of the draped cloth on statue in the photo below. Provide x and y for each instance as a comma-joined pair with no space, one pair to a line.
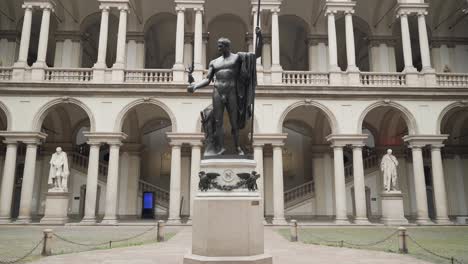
246,85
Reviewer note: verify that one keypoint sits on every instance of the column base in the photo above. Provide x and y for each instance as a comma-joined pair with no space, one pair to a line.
354,76
23,220
88,221
342,222
19,69
279,221
99,72
424,221
336,77
109,221
430,76
443,221
178,73
118,74
5,220
361,221
276,74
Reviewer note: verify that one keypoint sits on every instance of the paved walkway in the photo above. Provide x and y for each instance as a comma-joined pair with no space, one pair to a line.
283,252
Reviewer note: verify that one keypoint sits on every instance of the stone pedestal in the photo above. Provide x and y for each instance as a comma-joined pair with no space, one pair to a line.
393,212
56,208
227,225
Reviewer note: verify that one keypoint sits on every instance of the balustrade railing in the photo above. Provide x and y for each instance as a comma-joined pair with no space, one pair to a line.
383,79
369,162
68,75
300,193
148,76
80,162
452,80
161,195
305,78
5,73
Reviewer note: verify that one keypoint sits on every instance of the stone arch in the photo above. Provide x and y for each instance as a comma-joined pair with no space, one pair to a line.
123,113
7,114
159,51
45,109
294,33
236,33
407,116
329,114
445,112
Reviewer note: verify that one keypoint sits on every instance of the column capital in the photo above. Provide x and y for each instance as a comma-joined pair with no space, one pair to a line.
273,139
349,12
180,9
119,4
424,140
28,7
184,138
104,8
406,9
342,140
26,137
340,6
200,9
110,138
41,4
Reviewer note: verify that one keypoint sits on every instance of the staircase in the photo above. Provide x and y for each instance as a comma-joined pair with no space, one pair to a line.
299,194
80,162
371,164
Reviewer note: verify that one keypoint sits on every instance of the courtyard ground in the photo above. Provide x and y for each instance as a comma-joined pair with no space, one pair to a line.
15,240
443,241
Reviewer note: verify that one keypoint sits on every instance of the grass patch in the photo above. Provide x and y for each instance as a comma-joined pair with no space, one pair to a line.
445,241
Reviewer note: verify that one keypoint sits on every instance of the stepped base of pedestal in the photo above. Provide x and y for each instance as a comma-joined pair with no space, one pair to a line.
258,259
56,208
392,209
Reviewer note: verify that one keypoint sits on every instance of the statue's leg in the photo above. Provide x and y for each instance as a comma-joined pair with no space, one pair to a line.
233,115
218,114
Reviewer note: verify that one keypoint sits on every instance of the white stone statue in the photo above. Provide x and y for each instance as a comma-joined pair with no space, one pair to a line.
388,166
58,175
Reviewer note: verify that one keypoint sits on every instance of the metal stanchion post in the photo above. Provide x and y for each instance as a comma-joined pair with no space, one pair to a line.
403,247
47,247
160,231
293,231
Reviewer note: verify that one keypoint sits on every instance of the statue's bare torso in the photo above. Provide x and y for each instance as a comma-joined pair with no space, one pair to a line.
226,72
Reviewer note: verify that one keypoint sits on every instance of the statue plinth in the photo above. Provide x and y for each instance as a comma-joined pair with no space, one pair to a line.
56,208
227,221
393,212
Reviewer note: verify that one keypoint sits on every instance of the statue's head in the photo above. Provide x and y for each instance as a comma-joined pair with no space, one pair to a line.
224,45
58,150
389,151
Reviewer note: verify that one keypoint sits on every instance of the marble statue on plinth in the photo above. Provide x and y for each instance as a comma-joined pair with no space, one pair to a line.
388,166
59,171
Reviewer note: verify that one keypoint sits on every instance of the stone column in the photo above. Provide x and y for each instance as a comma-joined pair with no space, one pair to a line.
350,49
422,216
340,185
179,46
28,182
121,39
92,183
43,38
194,170
8,180
359,186
112,187
332,46
276,69
174,192
438,182
278,187
258,157
424,42
198,43
103,33
25,37
260,68
406,41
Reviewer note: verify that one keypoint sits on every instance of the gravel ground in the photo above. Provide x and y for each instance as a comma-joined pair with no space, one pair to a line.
444,241
16,241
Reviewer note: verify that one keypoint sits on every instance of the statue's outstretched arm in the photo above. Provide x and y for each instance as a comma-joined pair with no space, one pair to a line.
205,82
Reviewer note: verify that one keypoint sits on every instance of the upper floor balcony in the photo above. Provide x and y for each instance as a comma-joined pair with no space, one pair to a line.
305,43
